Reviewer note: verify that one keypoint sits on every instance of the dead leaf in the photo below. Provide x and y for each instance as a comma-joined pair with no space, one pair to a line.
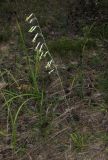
24,87
3,85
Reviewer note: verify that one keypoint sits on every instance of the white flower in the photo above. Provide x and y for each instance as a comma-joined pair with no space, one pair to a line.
41,47
41,55
33,19
51,71
35,37
27,19
32,29
48,64
37,46
45,53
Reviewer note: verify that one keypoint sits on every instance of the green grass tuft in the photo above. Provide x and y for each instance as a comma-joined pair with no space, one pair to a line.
98,31
67,46
79,140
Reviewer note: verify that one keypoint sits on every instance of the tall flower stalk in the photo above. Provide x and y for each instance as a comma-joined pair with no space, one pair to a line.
42,49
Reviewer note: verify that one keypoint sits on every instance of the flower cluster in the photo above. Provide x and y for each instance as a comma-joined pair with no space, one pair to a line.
40,47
